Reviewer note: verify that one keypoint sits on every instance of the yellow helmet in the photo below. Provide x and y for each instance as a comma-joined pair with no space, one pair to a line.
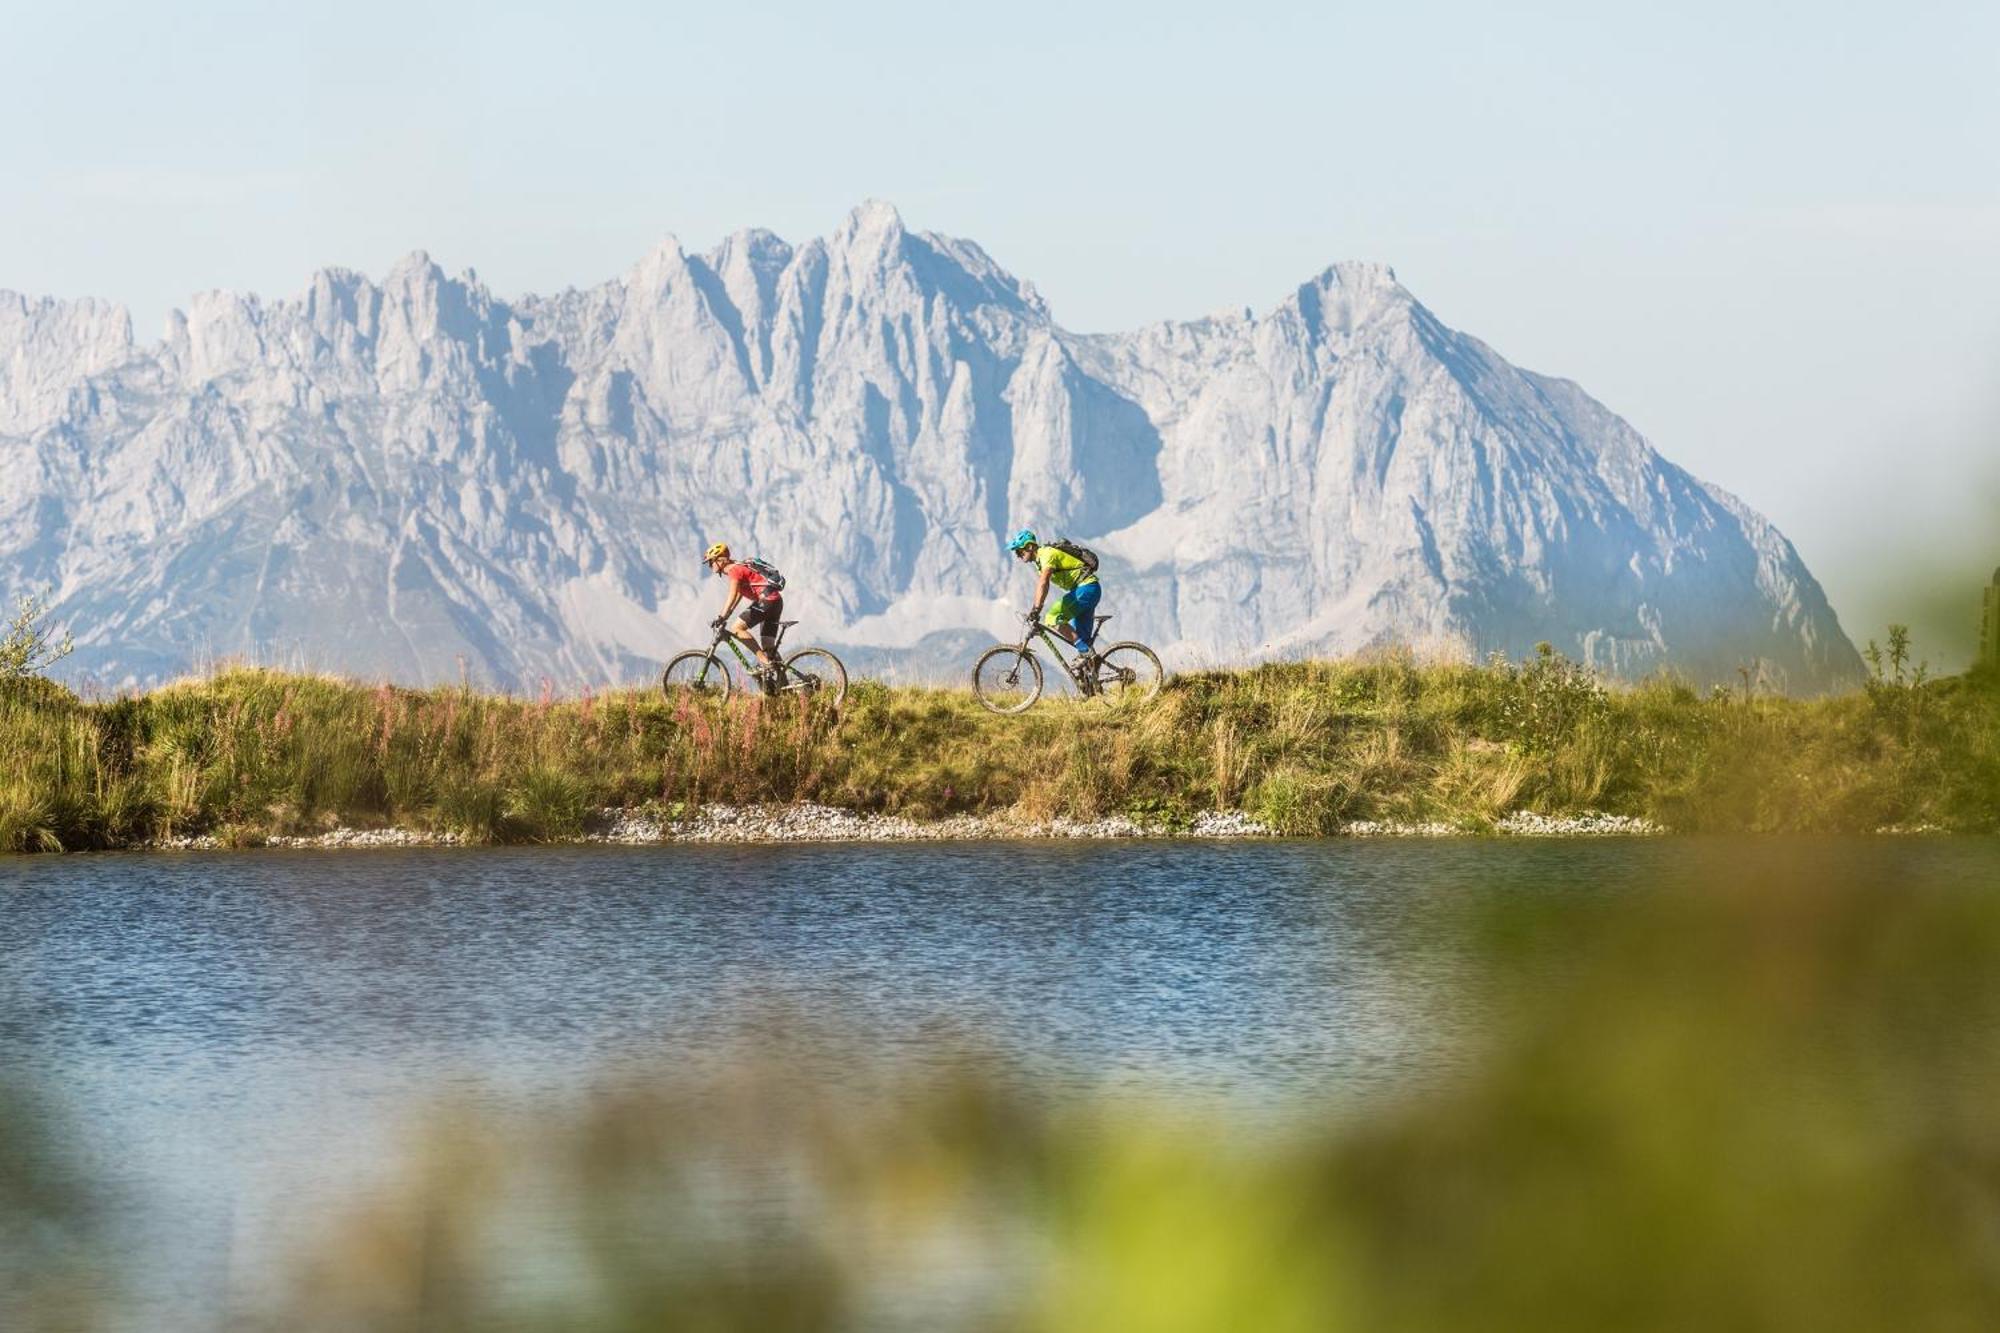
719,551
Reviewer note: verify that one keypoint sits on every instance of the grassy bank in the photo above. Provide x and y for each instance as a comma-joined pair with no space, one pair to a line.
1305,747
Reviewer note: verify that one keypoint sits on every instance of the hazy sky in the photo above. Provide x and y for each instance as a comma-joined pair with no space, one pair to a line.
1767,234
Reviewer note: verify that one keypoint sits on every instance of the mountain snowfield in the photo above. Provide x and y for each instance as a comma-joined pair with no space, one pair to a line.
417,480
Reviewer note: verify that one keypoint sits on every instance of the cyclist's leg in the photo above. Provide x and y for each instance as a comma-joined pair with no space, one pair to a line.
1060,612
1084,616
752,616
769,630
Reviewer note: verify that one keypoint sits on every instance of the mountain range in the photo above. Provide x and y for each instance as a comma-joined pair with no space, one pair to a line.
416,479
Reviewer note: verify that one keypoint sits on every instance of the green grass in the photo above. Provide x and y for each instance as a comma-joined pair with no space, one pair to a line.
246,754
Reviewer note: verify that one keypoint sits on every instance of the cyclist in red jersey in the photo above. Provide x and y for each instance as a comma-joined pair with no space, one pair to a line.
747,581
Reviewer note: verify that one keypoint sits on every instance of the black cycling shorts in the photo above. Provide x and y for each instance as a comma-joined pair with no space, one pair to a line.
763,617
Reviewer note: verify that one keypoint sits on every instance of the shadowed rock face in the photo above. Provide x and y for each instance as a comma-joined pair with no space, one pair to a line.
414,478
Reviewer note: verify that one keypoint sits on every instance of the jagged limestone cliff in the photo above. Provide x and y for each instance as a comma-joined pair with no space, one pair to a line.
400,478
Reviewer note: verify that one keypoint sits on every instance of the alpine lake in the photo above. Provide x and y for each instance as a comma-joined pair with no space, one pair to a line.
229,1047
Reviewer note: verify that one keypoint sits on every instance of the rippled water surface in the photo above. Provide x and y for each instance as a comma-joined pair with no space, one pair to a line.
232,1038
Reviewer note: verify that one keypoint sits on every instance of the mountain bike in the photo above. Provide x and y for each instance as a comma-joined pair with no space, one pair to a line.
1008,677
813,673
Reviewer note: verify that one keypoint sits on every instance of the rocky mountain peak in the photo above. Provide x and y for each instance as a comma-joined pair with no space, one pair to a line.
871,222
387,478
415,269
46,345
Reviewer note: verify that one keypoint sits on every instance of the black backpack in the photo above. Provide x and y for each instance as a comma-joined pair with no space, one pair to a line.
1083,553
768,570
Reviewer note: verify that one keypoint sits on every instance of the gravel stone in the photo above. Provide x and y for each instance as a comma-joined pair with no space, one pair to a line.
1590,824
1226,824
825,823
333,839
1391,828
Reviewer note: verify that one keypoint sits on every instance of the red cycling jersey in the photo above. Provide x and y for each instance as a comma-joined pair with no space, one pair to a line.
754,585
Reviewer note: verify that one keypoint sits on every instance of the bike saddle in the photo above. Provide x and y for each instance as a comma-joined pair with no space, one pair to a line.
786,624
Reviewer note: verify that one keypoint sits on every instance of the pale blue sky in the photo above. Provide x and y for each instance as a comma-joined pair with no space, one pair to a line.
1768,234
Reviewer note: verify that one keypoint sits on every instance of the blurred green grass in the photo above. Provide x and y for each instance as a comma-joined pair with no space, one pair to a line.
55,1270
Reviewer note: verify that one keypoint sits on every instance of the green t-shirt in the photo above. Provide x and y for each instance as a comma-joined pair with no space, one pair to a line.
1065,570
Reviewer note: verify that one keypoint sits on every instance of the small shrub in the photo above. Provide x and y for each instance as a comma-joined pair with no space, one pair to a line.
1548,699
1895,690
28,648
1169,813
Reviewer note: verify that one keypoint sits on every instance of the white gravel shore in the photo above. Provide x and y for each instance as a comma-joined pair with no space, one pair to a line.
823,823
333,840
1590,824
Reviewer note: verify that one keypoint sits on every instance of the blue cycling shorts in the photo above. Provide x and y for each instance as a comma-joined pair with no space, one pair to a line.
1078,608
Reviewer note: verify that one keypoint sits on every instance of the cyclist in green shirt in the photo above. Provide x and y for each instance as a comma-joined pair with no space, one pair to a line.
1074,612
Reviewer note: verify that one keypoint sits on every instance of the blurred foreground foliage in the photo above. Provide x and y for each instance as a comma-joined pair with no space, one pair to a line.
1767,1104
245,754
54,1273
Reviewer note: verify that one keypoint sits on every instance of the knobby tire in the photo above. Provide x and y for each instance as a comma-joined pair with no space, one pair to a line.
990,682
1128,673
684,676
823,675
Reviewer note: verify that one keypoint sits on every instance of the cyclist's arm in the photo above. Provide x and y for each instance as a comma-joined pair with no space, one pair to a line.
735,596
1041,592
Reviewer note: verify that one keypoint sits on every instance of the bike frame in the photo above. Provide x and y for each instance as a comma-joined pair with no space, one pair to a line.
1056,644
744,658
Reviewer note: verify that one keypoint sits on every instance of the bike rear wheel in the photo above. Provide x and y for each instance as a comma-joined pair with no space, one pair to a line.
696,674
1128,673
817,674
1007,679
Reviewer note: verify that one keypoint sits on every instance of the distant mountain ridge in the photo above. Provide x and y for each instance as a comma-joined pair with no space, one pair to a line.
414,477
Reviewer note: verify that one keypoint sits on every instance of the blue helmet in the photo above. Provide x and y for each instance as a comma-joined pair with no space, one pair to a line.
1025,537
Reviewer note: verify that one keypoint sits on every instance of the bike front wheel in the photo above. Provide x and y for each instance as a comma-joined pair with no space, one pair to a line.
817,674
696,674
1128,673
1007,679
